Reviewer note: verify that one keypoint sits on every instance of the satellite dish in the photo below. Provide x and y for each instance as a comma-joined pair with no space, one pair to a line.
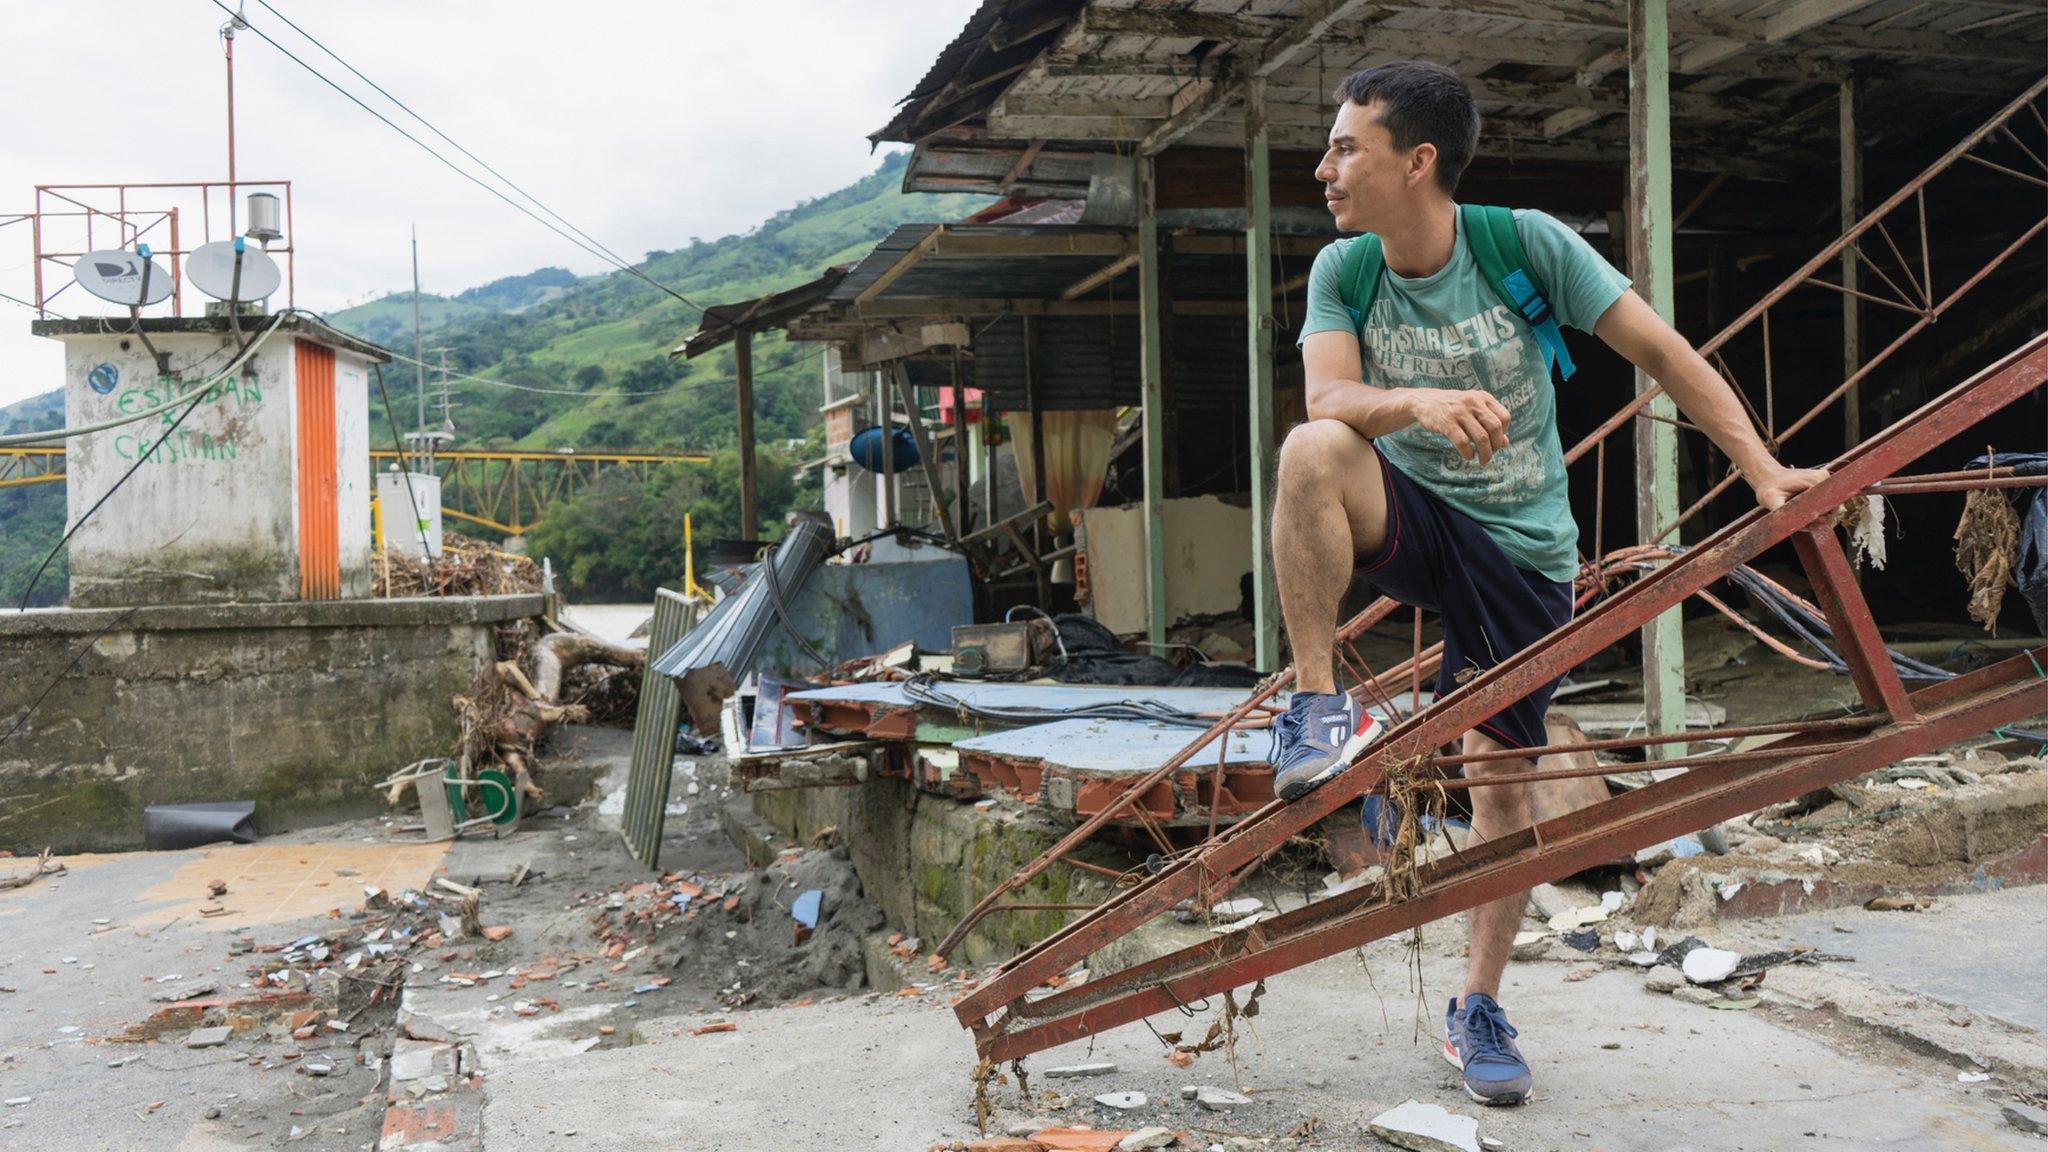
211,269
116,276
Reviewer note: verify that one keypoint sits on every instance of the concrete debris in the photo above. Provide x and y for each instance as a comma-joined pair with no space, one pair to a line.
1236,909
2024,1117
1076,1070
1972,1077
1643,959
1692,995
1573,919
1627,941
1078,1139
1145,1139
1219,1099
1426,1128
209,1037
1710,965
1531,946
1122,1101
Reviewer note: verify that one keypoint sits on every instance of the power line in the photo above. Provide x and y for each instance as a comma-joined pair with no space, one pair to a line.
382,91
454,167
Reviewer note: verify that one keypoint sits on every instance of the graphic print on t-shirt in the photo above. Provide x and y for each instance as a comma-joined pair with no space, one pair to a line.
1486,350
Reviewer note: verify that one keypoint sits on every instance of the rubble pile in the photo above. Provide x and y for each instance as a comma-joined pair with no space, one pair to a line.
466,567
310,1003
766,936
1932,824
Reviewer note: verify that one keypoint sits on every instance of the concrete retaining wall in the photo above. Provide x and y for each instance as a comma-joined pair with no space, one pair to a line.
298,706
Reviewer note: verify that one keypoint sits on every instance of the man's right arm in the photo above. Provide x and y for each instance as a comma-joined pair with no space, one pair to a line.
1474,422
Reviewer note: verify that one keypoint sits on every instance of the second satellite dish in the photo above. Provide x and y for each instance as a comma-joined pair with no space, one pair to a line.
211,269
116,275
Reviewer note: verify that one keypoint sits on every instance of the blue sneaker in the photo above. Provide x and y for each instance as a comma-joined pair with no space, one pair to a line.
1479,1041
1316,738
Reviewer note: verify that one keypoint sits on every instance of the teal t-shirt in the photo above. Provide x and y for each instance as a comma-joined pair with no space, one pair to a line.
1449,330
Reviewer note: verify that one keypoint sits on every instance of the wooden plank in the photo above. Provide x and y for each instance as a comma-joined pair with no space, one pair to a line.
924,448
743,384
1258,257
1656,439
1851,145
1152,379
905,263
1271,56
1100,276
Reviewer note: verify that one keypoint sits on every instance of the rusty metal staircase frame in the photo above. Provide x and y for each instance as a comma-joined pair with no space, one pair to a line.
1008,1023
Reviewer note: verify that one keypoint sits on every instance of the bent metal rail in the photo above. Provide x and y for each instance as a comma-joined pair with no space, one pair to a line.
1995,146
1007,1025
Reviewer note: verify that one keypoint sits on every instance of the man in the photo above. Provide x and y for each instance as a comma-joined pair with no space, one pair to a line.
1430,465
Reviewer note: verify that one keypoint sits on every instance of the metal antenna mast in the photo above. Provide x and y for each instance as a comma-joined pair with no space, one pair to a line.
227,40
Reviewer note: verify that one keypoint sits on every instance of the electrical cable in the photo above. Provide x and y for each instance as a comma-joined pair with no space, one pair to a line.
922,688
59,677
451,165
407,109
197,396
56,434
405,467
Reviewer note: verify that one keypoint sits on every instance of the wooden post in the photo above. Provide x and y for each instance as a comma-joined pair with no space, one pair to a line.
1152,382
1656,440
963,516
743,379
991,492
1035,408
885,418
1852,311
924,448
1258,256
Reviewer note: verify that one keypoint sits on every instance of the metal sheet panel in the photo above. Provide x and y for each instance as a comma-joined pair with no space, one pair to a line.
319,473
654,734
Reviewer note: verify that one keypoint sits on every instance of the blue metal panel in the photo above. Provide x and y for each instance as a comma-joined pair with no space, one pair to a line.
852,610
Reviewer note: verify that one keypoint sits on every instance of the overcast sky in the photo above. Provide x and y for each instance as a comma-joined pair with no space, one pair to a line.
643,123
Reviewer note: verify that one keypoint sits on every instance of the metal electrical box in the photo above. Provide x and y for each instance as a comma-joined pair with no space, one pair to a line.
1002,649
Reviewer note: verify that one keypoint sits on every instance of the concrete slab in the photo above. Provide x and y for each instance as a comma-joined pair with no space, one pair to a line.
1113,746
1037,695
81,960
273,883
1981,950
1616,1067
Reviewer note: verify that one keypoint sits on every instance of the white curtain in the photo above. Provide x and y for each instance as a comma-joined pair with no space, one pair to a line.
1076,456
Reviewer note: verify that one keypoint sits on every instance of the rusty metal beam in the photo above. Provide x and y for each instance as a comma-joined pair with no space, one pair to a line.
1945,711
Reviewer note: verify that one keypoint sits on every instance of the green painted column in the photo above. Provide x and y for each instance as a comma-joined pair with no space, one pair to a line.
1649,258
1258,283
1152,382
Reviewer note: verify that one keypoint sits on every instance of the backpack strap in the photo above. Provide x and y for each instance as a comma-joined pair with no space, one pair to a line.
1358,281
1496,244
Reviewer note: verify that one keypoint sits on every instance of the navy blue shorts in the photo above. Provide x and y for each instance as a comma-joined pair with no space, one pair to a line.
1440,560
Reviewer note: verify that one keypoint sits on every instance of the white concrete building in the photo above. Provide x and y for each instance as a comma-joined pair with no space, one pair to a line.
261,493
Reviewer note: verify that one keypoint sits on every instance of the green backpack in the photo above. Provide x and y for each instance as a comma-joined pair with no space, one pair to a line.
1497,245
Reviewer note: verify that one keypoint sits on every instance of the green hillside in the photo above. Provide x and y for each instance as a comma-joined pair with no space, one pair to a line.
596,337
603,336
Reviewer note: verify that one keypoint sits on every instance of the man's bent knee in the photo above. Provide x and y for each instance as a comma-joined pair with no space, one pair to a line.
1320,447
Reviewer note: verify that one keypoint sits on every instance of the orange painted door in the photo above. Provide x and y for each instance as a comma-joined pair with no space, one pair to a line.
319,475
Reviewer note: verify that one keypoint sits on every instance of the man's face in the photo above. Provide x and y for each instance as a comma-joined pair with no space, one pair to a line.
1364,175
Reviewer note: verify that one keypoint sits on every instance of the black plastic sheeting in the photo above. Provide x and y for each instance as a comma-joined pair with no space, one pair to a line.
1093,656
169,827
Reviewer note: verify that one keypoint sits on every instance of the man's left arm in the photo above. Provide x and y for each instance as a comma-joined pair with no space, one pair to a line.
1631,327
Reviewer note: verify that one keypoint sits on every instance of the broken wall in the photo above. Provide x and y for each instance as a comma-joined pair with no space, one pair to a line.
299,707
1208,554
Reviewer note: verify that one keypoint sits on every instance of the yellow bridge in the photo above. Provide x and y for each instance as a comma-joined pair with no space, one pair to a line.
503,491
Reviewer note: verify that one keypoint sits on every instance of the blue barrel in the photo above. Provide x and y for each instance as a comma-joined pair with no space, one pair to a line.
866,449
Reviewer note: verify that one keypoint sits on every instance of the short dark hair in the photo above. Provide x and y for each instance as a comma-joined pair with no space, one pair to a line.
1422,103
